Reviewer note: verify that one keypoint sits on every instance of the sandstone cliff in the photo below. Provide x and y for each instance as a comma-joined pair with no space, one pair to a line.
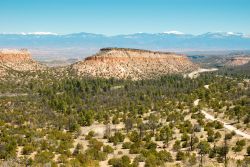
18,60
238,61
132,63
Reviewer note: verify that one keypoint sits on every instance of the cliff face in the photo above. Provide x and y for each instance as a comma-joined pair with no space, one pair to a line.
18,60
238,61
132,63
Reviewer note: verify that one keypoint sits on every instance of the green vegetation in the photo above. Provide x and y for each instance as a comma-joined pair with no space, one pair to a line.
69,121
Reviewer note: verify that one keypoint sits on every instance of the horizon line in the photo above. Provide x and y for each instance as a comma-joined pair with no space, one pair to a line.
173,32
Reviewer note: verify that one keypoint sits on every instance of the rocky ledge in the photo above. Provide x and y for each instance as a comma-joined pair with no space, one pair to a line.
123,63
18,60
238,61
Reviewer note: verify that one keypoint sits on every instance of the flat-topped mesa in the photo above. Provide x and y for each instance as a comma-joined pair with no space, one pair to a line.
132,54
19,60
131,49
136,64
238,61
14,55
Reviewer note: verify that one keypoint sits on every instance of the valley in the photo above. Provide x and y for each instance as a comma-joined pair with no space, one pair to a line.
93,113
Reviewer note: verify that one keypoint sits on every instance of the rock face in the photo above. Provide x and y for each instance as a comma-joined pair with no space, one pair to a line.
18,60
135,64
238,61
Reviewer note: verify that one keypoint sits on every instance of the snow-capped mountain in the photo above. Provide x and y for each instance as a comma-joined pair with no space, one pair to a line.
88,42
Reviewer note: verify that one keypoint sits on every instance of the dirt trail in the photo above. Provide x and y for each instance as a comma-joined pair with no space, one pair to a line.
12,94
196,73
226,125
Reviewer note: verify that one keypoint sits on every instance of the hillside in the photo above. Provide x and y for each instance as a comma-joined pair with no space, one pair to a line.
135,64
238,61
17,60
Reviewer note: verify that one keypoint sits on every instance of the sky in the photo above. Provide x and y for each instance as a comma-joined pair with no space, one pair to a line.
112,17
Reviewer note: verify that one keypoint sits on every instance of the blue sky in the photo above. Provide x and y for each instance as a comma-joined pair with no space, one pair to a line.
113,17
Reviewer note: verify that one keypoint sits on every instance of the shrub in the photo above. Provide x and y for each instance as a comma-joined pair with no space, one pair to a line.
165,156
192,160
228,136
139,158
217,135
237,148
180,156
177,145
126,145
135,148
210,139
118,137
185,137
44,157
241,143
151,145
124,161
28,149
248,150
90,135
108,149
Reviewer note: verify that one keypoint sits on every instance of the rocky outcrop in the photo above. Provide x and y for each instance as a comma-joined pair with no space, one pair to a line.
135,64
238,61
18,60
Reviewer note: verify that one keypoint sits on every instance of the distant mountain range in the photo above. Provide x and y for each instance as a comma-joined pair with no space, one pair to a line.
79,45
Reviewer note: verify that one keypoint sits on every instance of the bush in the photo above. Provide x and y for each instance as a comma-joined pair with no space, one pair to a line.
44,157
78,149
228,136
108,149
210,139
151,145
135,148
248,150
237,148
124,161
134,136
180,156
90,135
218,125
152,161
139,158
96,154
185,137
241,143
192,159
177,145
94,143
217,135
118,137
28,149
126,145
165,156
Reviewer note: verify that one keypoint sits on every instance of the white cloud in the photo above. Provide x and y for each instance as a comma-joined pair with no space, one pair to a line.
39,33
246,36
230,33
174,32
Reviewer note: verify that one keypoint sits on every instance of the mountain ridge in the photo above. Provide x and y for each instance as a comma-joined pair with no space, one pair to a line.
80,45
